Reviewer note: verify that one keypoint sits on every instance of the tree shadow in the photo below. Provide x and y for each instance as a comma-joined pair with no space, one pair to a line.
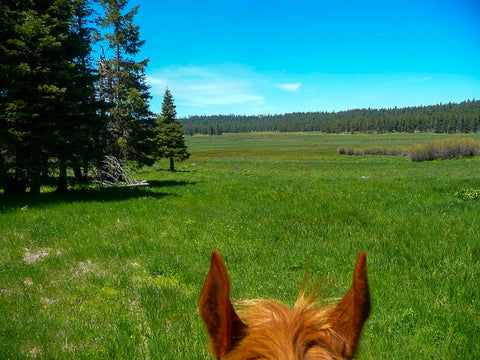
13,202
175,171
166,183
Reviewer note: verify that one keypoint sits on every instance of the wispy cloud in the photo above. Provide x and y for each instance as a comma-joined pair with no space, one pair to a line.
289,87
422,79
194,86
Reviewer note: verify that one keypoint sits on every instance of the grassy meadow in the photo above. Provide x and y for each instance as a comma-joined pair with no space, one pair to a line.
117,273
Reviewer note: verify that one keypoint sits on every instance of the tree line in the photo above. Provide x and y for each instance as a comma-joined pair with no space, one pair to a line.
62,107
461,117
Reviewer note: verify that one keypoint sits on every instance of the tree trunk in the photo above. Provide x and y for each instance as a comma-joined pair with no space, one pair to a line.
62,179
3,172
172,166
36,182
77,172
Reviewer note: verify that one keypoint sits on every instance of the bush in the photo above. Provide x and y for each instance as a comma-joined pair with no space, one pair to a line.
423,152
353,150
350,150
374,150
445,149
397,150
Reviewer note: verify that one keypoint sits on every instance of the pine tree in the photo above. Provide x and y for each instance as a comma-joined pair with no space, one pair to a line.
169,133
7,25
81,126
35,65
123,86
46,106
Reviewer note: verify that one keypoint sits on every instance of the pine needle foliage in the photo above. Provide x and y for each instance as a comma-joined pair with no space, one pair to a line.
169,133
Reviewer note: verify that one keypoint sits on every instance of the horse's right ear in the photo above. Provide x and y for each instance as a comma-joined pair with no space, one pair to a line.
349,316
223,324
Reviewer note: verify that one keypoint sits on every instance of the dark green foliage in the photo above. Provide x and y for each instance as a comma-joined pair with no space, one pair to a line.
169,133
47,91
85,131
54,108
447,118
122,85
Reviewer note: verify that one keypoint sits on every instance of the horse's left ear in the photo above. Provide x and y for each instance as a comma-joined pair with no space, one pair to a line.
350,314
223,324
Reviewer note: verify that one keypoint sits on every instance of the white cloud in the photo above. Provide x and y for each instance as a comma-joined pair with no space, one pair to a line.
422,79
194,86
289,87
156,82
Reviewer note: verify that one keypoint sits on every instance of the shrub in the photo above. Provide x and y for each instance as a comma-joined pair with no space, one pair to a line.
374,150
424,152
395,150
349,150
353,150
445,149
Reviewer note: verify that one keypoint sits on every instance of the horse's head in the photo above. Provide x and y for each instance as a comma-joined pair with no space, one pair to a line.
269,330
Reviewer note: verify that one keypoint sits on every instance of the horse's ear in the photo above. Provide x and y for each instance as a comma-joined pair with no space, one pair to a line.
223,324
350,314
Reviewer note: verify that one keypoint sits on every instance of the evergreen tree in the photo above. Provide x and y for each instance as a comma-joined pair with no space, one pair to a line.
7,25
26,86
463,117
47,111
32,87
169,133
123,86
82,126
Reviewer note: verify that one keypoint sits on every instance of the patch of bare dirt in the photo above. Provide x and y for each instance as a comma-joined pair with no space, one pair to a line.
33,255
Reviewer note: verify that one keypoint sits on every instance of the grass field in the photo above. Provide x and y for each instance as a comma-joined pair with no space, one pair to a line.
117,273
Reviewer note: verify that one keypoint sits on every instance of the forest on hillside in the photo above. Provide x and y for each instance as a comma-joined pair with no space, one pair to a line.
463,117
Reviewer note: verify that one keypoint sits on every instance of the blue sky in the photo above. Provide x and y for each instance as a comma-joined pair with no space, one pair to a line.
274,57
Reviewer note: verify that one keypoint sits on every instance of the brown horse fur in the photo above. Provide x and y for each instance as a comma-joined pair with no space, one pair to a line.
269,330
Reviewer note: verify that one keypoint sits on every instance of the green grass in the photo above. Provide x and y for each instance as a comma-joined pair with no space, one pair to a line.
117,273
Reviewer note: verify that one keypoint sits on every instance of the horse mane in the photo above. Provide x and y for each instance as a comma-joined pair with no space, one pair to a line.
275,330
312,306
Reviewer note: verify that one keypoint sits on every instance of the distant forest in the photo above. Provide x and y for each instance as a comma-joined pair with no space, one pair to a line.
442,118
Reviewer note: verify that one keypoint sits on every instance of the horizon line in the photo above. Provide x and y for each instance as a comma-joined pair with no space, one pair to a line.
441,103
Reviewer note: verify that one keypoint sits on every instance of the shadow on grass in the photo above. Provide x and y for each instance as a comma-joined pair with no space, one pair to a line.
12,202
165,183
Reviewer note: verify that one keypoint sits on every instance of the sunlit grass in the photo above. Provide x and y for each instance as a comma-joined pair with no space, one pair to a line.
117,273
